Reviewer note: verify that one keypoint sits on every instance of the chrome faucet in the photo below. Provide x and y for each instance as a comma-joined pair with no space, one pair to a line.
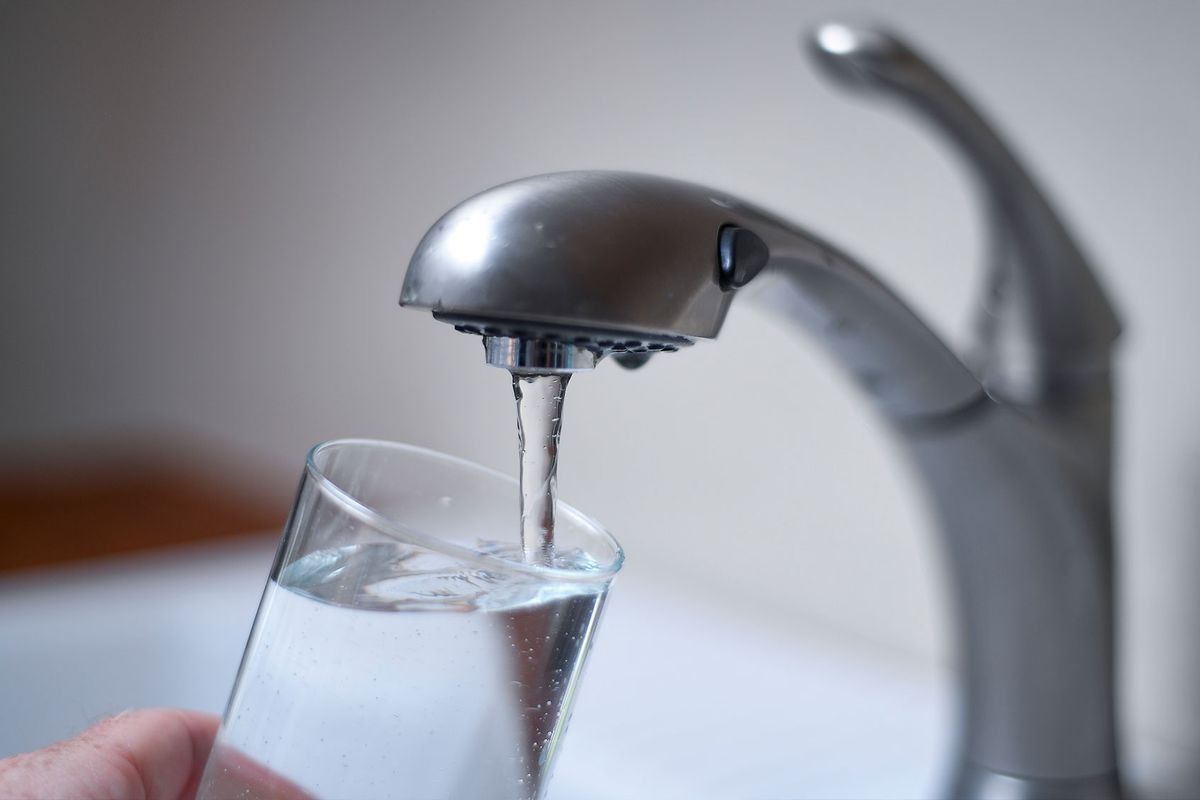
1012,443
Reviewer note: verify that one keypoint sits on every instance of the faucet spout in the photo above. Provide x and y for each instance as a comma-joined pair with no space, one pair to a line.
612,262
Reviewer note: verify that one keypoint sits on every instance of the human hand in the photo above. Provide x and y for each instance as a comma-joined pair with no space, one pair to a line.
154,754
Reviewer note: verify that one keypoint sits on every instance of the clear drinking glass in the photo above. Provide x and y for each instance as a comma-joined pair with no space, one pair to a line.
403,648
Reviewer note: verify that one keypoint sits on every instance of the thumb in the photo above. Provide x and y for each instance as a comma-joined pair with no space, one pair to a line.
156,754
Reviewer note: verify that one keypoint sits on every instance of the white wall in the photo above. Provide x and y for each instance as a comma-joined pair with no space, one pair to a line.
207,210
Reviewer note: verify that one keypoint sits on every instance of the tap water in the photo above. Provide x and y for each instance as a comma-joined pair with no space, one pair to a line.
422,677
539,427
386,670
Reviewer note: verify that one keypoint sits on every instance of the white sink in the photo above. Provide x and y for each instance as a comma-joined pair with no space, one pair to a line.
682,698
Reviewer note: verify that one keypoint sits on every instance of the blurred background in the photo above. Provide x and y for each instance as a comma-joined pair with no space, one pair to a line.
205,215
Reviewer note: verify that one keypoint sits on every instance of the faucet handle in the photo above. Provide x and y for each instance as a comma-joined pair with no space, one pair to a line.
1046,326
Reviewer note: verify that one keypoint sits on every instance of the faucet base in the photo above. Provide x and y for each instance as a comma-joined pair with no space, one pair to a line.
973,782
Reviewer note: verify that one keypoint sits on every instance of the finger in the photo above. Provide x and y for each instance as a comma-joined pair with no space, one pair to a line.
156,754
167,748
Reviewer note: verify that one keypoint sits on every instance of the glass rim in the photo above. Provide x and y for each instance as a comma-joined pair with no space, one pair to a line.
408,533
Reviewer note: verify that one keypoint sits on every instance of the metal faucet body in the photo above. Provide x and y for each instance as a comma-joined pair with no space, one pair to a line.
1012,445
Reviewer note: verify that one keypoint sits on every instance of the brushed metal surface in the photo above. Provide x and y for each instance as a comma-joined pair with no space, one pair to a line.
1013,444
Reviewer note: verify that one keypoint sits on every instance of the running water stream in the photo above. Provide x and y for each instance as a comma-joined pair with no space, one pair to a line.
539,425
